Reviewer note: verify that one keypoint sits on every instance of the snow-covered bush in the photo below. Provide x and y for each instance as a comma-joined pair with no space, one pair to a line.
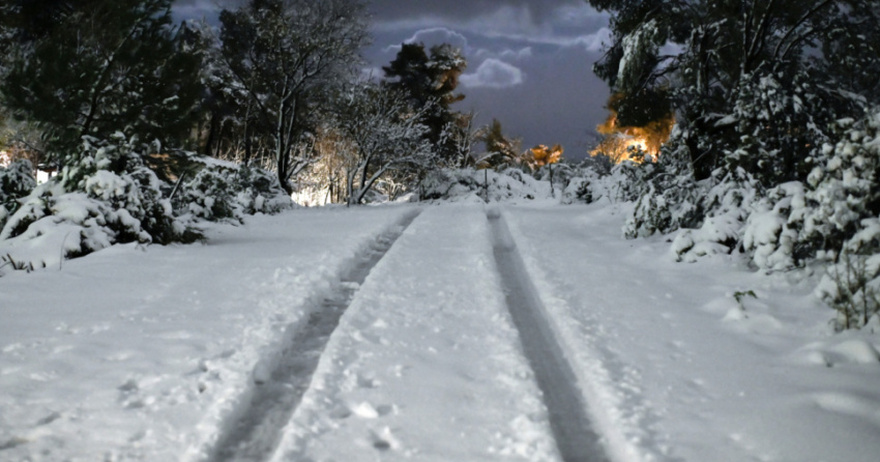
772,234
16,182
852,285
666,195
842,222
453,184
104,195
259,191
846,189
727,205
208,196
224,191
584,187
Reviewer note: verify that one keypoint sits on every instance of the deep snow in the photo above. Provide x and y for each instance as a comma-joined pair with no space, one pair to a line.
147,353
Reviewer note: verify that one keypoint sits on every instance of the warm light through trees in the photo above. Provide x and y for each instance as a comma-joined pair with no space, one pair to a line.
633,143
540,156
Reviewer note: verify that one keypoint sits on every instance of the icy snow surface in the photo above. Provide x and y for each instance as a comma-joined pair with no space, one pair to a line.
166,353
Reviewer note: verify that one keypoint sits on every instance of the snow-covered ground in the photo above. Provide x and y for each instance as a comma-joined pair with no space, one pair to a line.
171,353
675,368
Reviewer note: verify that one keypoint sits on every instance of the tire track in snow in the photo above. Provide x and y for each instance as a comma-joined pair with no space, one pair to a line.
575,436
254,430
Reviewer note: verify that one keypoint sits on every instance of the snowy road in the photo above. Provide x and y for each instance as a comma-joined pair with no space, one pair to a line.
459,332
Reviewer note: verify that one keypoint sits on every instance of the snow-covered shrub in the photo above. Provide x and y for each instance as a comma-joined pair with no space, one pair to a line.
586,187
113,172
224,191
842,222
16,182
632,181
259,191
104,195
852,285
846,189
772,234
727,205
666,195
454,184
208,196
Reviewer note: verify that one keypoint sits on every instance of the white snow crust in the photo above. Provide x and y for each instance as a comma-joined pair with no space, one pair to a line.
144,352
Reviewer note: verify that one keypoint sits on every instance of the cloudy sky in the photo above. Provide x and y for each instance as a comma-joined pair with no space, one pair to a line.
528,61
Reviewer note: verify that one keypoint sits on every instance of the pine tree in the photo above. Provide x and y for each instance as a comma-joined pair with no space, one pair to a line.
501,150
97,67
430,82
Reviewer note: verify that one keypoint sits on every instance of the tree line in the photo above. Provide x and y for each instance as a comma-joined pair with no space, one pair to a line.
277,85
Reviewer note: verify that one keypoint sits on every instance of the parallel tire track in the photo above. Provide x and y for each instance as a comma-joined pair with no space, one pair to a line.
255,431
575,436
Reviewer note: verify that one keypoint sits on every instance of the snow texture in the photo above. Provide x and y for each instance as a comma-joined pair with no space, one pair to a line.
148,352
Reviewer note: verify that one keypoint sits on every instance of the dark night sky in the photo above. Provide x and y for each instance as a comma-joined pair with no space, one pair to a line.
528,61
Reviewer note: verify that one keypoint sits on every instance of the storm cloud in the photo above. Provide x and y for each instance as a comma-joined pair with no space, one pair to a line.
493,73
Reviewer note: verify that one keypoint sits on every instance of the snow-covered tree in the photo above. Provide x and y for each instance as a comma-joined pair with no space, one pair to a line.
285,56
105,195
502,151
384,135
843,221
457,138
721,50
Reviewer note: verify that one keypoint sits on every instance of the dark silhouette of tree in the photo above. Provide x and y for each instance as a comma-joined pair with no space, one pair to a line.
430,81
98,67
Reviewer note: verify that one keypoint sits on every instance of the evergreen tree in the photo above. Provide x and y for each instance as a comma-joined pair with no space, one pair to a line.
430,82
501,150
96,67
